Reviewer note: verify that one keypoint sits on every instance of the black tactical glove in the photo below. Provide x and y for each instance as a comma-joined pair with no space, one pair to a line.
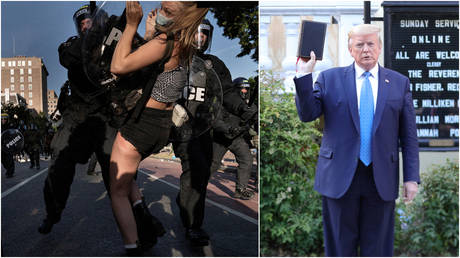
235,131
248,113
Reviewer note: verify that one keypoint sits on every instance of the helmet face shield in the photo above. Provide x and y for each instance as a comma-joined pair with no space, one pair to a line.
82,18
205,29
244,87
245,84
4,117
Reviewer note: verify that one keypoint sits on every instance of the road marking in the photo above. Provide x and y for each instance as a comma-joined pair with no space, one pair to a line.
234,212
16,187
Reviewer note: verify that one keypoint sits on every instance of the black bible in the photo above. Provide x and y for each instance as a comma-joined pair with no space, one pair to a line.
312,37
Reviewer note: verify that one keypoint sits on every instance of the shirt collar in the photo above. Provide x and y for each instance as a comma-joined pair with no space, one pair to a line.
359,71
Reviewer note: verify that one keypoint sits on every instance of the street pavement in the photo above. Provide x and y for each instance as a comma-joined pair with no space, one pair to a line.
87,227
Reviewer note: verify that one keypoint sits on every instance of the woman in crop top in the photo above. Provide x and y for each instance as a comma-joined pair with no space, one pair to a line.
149,134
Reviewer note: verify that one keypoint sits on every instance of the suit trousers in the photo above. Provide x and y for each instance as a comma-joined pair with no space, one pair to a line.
360,218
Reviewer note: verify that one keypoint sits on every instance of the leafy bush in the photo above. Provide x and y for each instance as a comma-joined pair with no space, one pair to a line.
290,222
429,226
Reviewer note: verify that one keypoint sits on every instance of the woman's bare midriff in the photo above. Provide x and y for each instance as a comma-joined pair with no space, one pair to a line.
159,105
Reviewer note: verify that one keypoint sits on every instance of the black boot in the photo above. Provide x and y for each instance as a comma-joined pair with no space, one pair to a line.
149,228
47,225
197,237
243,193
157,226
134,252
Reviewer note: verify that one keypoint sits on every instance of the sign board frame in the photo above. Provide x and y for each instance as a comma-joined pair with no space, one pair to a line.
418,8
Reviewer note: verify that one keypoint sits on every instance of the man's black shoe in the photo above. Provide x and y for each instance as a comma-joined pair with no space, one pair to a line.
38,167
31,166
197,237
46,226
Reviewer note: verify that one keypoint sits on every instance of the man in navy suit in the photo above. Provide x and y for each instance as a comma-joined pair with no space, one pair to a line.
368,113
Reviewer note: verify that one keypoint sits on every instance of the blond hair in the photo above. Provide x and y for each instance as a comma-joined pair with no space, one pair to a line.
364,29
186,22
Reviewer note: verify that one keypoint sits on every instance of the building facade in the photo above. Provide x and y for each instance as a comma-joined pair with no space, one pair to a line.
52,101
26,76
280,23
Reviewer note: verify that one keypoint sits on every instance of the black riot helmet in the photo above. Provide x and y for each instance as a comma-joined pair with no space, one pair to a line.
242,83
83,13
206,28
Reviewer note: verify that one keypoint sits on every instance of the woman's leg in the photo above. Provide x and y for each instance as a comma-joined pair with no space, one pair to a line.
124,162
135,194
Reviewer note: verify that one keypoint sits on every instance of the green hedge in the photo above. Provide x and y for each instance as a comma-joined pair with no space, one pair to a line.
290,210
429,226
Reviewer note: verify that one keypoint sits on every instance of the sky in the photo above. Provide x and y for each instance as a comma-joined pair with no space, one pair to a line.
37,28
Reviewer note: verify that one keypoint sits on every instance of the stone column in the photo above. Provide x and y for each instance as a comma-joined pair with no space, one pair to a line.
277,42
292,42
264,61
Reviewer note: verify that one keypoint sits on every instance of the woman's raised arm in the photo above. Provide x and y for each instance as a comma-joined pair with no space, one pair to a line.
123,61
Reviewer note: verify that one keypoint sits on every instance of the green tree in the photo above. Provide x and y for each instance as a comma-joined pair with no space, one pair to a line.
241,20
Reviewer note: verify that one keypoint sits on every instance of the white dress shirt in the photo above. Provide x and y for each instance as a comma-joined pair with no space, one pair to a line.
373,78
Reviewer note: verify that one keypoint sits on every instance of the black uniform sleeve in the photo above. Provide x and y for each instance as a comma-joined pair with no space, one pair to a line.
220,126
232,101
70,53
249,113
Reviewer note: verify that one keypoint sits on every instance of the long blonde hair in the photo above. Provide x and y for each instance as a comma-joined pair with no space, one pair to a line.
184,28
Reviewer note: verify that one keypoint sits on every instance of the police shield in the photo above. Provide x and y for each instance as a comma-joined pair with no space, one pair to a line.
98,45
12,141
202,100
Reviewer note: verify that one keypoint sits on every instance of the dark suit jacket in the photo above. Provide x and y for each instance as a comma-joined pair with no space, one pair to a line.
334,95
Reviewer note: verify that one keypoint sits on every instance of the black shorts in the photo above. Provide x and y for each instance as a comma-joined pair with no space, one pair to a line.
151,133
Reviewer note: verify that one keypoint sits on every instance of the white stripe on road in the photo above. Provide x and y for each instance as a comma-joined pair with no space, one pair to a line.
16,187
234,212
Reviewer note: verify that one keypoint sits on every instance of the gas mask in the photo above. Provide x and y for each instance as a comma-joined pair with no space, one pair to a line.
244,95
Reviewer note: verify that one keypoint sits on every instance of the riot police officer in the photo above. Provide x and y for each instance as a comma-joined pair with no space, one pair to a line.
196,153
32,145
7,158
235,141
85,130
